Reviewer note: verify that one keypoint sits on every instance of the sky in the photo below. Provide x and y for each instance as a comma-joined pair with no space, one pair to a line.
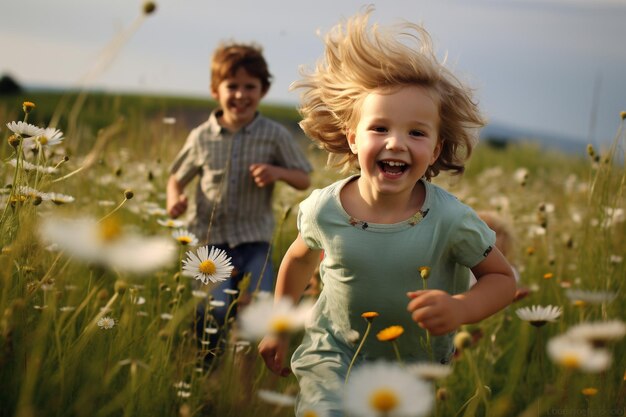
555,67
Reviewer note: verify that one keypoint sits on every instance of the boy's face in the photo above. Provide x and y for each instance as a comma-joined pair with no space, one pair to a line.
396,139
239,97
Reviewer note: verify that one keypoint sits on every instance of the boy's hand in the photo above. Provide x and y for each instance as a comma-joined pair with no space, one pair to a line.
273,349
264,174
436,311
178,207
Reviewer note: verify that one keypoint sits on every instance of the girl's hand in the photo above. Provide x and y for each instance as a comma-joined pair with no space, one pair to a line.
436,311
273,349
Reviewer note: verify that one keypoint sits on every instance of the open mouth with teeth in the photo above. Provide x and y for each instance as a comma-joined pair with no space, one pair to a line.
393,167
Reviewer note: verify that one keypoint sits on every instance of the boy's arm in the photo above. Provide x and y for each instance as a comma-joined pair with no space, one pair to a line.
266,174
176,201
440,313
294,273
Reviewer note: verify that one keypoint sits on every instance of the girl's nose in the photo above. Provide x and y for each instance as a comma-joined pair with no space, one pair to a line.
395,142
238,93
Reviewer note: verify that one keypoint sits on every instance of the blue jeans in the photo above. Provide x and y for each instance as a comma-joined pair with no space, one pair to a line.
246,258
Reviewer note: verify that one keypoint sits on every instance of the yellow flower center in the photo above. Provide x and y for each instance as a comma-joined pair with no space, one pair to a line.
184,240
571,361
207,267
43,140
390,333
384,400
280,325
110,230
309,413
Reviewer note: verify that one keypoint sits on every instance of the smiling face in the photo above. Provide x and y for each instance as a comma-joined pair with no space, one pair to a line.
239,96
396,139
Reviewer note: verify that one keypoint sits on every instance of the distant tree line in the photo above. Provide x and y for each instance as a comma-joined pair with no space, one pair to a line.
9,86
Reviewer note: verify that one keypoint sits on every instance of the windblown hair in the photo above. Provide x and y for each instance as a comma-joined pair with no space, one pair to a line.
230,56
360,59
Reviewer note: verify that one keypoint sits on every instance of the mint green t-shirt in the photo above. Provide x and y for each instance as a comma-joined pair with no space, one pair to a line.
371,267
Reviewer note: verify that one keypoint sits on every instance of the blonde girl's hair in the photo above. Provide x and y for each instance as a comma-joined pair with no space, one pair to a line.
360,59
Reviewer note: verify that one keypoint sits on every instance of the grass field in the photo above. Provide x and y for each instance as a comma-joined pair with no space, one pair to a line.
85,331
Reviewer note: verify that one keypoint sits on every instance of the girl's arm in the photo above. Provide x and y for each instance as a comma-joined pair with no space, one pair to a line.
440,313
294,274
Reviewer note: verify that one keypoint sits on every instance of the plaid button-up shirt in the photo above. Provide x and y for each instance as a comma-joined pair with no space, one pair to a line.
243,211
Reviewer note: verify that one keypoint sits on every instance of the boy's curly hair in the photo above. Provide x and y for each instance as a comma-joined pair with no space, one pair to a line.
360,59
228,57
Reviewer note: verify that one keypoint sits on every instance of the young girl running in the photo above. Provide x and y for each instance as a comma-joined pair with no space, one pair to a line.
382,102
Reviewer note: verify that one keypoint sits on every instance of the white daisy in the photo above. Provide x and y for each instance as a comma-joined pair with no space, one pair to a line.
521,175
27,166
48,137
58,198
383,388
171,223
105,243
106,322
182,385
183,394
211,330
24,129
264,316
213,266
598,333
185,237
430,371
166,316
590,297
576,354
539,315
276,398
169,120
199,294
156,211
217,303
230,291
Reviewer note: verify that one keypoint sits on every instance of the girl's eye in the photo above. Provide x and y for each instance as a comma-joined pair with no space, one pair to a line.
378,129
417,133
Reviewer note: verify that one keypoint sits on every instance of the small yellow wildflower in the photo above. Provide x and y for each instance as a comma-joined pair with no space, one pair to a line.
369,315
462,340
548,275
391,333
28,106
424,271
622,115
589,391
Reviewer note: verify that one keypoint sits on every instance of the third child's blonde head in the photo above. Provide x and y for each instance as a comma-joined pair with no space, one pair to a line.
360,59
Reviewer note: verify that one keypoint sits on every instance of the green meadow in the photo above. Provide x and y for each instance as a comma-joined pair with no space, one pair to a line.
81,335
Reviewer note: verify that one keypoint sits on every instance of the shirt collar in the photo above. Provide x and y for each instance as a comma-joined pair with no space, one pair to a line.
218,129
